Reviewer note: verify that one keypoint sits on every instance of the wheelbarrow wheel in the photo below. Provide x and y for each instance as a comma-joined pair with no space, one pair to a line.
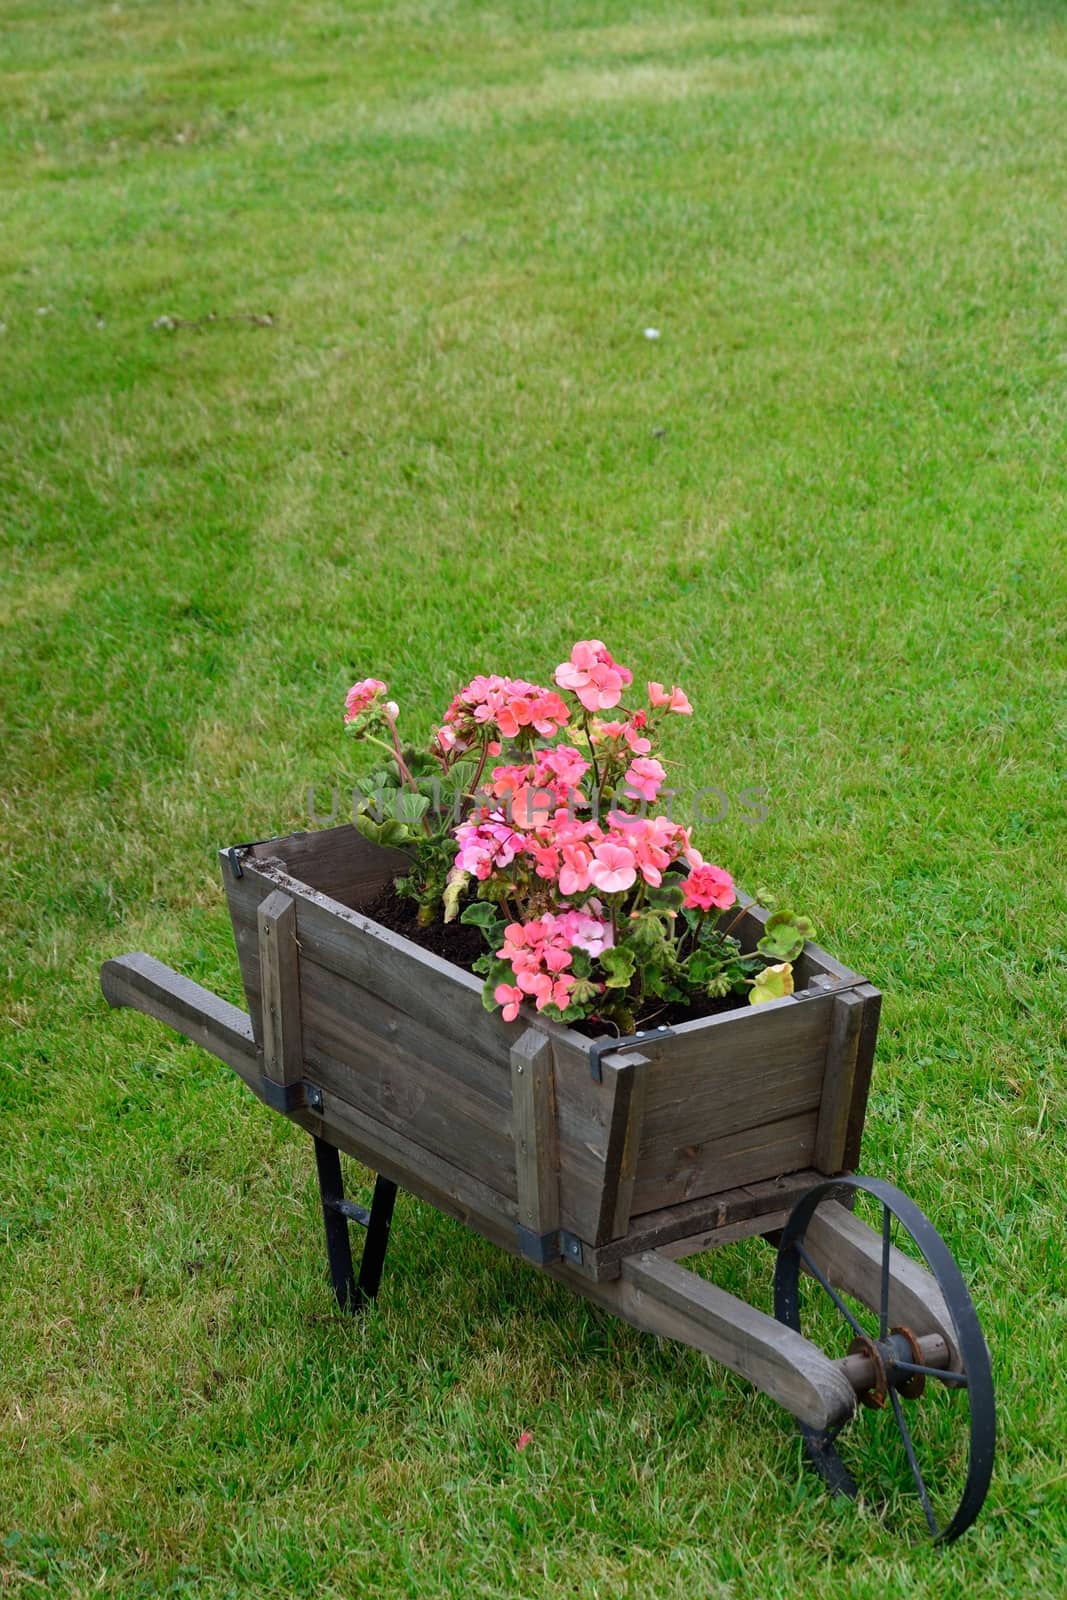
898,1373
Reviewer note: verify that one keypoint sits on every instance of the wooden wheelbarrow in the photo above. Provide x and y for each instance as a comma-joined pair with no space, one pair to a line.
603,1162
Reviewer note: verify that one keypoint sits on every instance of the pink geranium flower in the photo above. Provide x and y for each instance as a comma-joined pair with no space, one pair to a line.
574,871
644,776
708,886
364,694
593,675
564,763
585,932
613,868
628,731
506,995
673,699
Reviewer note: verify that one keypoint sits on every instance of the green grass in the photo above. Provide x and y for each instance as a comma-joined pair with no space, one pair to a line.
829,501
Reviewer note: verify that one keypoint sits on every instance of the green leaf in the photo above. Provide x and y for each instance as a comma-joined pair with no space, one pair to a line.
393,833
583,992
367,827
409,807
480,914
668,897
783,936
702,966
617,965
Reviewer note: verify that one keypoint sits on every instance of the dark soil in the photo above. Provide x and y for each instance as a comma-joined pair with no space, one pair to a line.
452,941
461,944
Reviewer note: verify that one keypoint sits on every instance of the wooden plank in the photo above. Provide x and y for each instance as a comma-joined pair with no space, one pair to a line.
414,982
339,862
861,1082
598,1124
850,1255
718,1217
671,1301
417,1102
724,1077
709,1166
404,1160
283,1055
534,1133
145,984
838,1077
725,1073
630,1072
698,1243
333,1006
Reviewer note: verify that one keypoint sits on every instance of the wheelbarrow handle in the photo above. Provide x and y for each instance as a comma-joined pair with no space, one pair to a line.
145,984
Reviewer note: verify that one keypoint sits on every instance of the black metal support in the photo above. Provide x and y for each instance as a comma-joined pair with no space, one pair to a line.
337,1212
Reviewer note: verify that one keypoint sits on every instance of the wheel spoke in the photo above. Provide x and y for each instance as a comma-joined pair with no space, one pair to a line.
883,1311
913,1463
957,1380
821,1278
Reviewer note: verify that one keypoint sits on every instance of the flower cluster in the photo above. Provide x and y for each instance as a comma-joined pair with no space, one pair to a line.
592,909
368,696
495,709
541,951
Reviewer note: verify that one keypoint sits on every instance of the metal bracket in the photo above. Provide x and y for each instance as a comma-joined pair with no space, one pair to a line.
538,1247
233,851
287,1097
822,985
542,1248
570,1246
599,1048
349,1209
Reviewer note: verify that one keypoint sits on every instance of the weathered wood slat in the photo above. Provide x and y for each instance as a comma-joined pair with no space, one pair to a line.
850,1254
676,1249
339,862
413,981
409,1164
838,1078
704,1224
737,1066
534,1133
283,1051
597,1124
724,1077
669,1300
630,1072
416,1101
861,1082
710,1166
333,1006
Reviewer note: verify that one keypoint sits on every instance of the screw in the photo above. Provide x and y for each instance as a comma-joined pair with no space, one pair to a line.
314,1098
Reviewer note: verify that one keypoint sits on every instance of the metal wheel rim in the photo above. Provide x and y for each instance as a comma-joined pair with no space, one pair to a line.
973,1351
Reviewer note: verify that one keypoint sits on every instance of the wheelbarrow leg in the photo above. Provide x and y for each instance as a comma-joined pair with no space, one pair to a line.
353,1294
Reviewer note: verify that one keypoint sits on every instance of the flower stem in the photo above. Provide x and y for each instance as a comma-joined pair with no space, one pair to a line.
726,932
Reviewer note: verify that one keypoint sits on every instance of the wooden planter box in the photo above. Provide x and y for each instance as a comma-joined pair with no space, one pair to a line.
684,1141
